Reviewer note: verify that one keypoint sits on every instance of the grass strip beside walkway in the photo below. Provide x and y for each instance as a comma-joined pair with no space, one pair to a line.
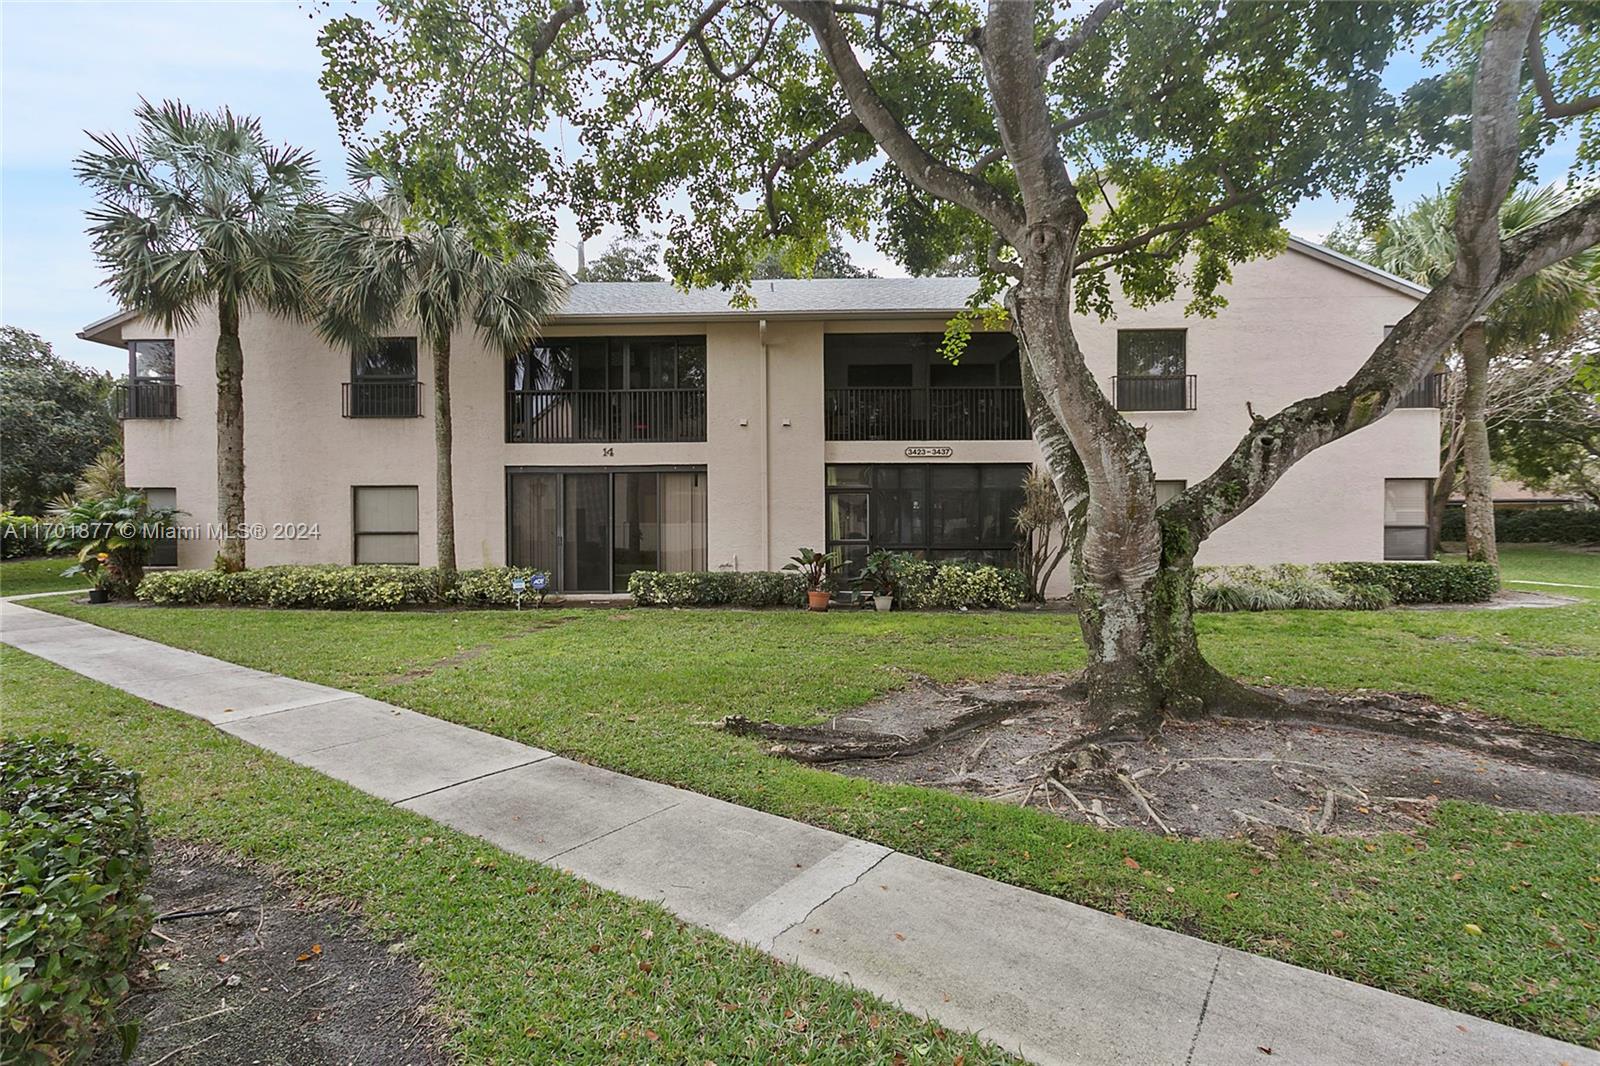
531,965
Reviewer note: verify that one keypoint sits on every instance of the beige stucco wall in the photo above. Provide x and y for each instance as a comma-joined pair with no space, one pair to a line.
1294,326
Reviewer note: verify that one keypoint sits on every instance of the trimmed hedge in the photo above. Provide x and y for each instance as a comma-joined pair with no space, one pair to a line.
716,588
1421,582
74,858
919,585
363,588
1536,525
1341,586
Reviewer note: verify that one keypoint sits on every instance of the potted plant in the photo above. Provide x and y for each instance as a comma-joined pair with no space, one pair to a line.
878,576
99,578
815,567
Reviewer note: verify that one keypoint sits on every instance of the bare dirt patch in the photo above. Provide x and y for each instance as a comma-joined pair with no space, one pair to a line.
1350,764
241,970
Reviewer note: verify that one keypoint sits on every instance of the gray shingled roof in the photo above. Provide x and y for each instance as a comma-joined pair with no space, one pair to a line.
603,301
842,297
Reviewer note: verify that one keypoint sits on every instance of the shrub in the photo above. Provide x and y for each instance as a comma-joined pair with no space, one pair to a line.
1554,525
331,587
19,535
702,588
1340,586
365,587
1421,582
955,585
1237,588
74,858
491,587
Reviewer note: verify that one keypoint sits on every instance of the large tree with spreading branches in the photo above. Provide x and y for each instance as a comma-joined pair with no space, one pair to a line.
1082,150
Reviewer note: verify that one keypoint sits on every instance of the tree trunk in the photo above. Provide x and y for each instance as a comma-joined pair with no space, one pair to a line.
444,481
1133,575
230,437
1475,448
1443,488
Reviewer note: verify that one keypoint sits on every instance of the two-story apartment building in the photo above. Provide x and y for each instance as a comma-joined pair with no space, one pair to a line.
658,429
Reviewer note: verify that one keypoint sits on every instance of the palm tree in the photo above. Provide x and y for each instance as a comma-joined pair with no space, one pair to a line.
378,267
198,210
1420,245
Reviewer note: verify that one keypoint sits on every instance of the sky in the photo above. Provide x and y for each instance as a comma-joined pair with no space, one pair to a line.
67,67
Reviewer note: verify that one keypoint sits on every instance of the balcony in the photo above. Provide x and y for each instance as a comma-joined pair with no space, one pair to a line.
381,399
985,412
1429,392
147,399
605,416
1173,392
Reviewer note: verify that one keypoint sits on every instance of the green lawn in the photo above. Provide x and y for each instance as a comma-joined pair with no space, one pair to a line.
1569,566
530,964
638,690
37,575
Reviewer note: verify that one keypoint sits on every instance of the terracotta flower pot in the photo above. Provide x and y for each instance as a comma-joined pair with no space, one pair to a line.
817,599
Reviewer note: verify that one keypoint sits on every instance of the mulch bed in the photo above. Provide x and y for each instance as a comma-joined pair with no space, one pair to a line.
240,969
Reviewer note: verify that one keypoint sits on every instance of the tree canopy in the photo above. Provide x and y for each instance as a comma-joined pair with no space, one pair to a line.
625,259
55,417
1195,126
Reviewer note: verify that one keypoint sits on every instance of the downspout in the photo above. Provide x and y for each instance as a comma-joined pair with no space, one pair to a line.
766,465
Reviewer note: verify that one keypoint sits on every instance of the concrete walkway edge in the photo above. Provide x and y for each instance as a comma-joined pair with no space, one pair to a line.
1050,980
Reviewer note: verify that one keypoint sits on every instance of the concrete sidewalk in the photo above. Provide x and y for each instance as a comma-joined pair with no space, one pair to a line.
1052,981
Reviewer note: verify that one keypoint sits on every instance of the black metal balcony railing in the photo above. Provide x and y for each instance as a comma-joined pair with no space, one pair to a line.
545,416
1429,392
985,412
381,399
1172,392
147,399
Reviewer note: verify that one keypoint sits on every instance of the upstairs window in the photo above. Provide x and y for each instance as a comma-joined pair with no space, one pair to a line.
1151,353
151,390
1152,371
386,359
151,360
383,380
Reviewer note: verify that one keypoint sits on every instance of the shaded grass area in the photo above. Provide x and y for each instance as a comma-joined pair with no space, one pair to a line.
18,576
531,965
1567,565
638,691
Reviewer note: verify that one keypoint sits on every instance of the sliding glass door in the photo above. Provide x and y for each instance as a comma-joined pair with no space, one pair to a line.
591,529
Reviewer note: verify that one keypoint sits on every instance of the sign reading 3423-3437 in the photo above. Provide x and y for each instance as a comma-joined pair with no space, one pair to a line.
928,451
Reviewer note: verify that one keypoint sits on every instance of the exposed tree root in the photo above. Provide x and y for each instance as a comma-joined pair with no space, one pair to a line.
822,744
1413,715
1308,763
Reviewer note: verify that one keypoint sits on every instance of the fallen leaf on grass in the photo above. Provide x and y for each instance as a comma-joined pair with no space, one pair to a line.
1130,862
